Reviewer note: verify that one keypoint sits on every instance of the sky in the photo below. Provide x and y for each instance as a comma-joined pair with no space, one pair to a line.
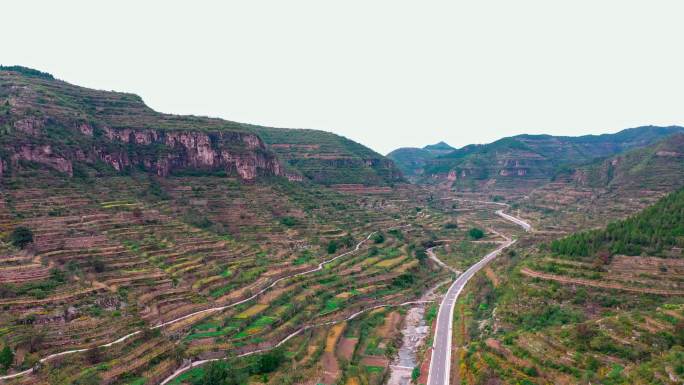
387,74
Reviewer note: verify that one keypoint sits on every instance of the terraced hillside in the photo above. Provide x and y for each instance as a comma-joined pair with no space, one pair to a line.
326,158
144,272
603,306
589,195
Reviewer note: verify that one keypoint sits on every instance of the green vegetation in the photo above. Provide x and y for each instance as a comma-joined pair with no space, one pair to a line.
27,72
476,233
289,221
6,357
21,236
228,373
655,231
221,373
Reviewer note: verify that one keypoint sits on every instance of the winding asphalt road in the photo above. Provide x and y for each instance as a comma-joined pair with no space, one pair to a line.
440,363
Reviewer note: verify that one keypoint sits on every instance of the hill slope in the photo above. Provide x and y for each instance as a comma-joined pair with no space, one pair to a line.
603,306
658,166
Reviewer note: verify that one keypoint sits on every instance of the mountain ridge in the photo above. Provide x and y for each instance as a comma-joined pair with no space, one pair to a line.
54,123
533,158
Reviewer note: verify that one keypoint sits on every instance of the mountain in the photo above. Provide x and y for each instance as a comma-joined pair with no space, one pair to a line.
58,125
531,160
439,148
657,167
411,160
130,242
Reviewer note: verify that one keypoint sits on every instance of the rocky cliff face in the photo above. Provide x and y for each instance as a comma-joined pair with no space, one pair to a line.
242,153
157,151
55,124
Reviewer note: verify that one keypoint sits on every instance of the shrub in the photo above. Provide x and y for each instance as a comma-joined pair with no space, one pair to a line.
404,280
98,265
21,236
288,221
415,374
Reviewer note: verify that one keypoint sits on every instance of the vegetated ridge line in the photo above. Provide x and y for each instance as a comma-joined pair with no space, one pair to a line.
210,310
440,363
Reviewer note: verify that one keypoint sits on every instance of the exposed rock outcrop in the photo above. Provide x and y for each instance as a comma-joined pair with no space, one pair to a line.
243,153
161,152
43,155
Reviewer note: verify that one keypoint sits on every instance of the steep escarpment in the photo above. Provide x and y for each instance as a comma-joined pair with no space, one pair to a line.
54,124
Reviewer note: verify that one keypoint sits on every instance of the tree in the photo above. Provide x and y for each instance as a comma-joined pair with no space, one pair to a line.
221,373
332,247
421,255
270,361
378,237
6,357
21,236
475,233
98,265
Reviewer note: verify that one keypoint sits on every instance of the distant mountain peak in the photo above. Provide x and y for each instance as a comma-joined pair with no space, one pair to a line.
441,146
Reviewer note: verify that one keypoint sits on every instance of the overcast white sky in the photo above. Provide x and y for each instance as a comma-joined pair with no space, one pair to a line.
385,73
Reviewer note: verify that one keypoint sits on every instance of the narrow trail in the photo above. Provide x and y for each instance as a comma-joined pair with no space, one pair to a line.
440,364
205,311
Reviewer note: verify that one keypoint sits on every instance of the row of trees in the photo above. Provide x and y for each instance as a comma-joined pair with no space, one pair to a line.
655,230
225,373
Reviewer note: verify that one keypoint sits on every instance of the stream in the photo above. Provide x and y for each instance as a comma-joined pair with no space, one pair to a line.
415,331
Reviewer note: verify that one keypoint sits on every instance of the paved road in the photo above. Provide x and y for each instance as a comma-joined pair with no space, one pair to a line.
440,364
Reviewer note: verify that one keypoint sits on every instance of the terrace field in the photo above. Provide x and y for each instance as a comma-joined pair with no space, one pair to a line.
190,268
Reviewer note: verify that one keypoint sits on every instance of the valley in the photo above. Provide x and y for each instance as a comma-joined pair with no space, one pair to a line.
141,248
